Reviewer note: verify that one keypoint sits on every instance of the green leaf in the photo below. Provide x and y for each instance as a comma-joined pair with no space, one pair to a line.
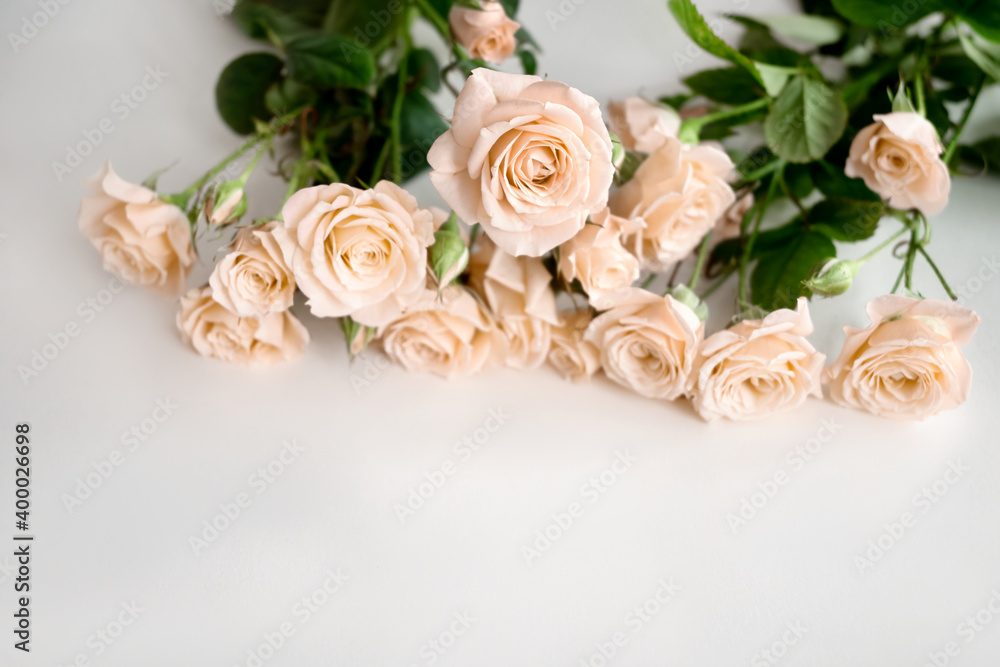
846,220
420,125
330,61
729,251
528,61
697,29
242,87
262,22
982,15
984,54
885,15
730,85
818,30
833,182
288,94
775,77
777,279
957,69
424,69
806,120
798,180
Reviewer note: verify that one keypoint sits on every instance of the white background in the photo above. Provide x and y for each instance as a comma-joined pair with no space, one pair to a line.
364,449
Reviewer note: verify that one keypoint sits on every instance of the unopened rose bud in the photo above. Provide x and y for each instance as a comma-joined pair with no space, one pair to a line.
684,294
449,255
834,277
230,203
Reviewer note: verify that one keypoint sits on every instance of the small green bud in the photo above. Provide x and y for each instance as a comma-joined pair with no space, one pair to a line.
684,294
449,255
229,203
357,336
617,151
833,277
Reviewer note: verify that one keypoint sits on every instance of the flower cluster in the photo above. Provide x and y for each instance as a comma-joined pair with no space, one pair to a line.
564,215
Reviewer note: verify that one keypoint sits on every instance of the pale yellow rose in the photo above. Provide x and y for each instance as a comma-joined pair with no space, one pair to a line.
642,126
519,292
907,364
647,342
141,239
757,368
213,331
452,335
255,278
679,193
573,357
898,156
597,258
485,33
527,159
361,253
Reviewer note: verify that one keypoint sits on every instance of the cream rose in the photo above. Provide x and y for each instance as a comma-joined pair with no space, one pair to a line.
213,331
451,335
642,126
527,159
729,225
573,357
679,193
597,258
907,364
255,278
485,33
647,342
361,253
519,292
757,368
141,239
898,156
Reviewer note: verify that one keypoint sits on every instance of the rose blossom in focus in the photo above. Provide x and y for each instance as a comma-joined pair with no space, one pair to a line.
642,126
527,159
679,193
485,33
213,331
597,258
757,368
647,342
361,253
907,364
898,156
255,278
141,239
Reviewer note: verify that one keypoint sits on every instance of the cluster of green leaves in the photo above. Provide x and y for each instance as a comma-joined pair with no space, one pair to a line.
808,118
352,68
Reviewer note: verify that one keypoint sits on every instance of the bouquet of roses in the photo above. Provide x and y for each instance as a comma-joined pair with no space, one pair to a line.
561,225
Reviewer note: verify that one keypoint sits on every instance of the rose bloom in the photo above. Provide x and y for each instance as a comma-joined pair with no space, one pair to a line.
485,33
519,292
679,193
451,335
527,159
647,342
255,278
757,368
642,126
728,226
213,331
898,156
142,239
597,258
907,364
361,253
573,357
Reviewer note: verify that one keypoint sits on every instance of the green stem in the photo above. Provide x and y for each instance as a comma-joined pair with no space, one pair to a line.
691,128
648,281
717,284
937,272
911,254
881,246
432,15
919,85
953,144
700,264
748,247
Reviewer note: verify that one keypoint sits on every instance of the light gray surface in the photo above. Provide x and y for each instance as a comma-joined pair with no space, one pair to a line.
364,447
